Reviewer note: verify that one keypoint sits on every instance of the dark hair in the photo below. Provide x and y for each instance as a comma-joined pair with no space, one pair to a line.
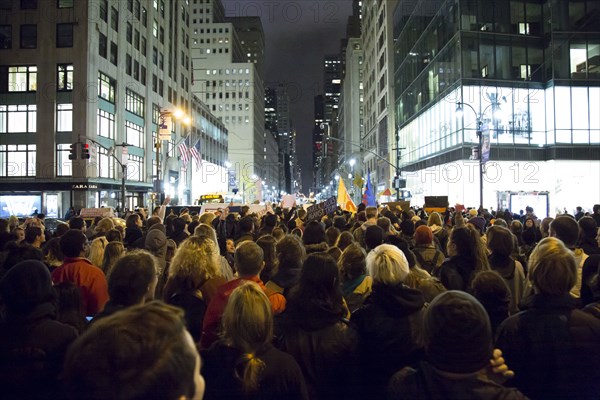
566,229
344,240
353,262
267,243
339,221
318,289
331,235
144,349
130,277
374,236
32,232
114,235
404,247
246,224
61,229
131,221
16,253
178,224
314,233
152,221
290,252
52,249
493,293
500,241
76,223
248,259
72,243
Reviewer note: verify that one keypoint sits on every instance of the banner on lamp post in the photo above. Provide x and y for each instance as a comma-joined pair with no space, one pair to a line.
485,143
164,128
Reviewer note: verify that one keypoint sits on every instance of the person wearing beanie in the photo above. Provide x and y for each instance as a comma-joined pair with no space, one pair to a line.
407,227
389,321
553,347
32,343
428,256
478,222
99,241
157,243
458,349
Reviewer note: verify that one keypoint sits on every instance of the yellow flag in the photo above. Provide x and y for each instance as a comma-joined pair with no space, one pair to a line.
343,198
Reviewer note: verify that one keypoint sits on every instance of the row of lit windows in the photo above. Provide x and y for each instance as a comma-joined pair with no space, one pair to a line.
23,78
28,36
33,4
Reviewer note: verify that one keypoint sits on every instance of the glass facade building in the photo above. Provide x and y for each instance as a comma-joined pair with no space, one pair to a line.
531,72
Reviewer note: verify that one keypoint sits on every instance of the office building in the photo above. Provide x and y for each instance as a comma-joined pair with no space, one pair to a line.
528,75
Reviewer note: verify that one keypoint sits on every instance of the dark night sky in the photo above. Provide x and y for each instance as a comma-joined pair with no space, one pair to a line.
298,34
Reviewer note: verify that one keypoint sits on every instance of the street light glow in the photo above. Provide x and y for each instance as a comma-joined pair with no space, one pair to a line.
352,162
187,121
178,113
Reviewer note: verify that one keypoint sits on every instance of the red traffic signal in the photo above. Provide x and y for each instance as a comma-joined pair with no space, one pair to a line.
85,151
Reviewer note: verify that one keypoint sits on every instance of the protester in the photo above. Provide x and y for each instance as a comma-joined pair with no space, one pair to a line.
32,342
148,351
458,350
244,363
80,271
553,347
388,324
314,332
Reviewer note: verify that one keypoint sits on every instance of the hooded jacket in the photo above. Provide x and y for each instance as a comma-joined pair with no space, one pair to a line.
32,342
553,348
430,383
324,345
156,243
514,276
389,326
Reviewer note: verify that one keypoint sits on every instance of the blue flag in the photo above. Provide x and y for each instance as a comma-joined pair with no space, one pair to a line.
369,195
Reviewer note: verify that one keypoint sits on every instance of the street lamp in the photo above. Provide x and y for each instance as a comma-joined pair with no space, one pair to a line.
495,105
164,128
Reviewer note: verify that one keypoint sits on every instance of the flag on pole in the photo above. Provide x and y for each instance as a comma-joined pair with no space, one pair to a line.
343,198
196,155
369,194
184,153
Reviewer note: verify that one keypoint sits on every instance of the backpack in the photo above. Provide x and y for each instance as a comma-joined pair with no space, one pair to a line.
430,265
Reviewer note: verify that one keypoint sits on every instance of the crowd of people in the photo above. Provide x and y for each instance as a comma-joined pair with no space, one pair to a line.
383,303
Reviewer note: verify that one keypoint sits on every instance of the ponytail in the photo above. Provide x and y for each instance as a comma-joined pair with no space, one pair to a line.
248,369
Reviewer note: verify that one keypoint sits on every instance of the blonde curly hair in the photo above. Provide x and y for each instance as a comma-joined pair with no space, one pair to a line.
196,260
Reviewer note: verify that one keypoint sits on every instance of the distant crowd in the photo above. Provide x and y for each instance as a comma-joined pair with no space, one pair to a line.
384,303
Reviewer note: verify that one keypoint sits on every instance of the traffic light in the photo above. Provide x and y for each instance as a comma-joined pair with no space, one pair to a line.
85,151
73,152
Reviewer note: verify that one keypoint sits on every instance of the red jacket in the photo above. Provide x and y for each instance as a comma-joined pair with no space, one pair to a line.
212,318
89,278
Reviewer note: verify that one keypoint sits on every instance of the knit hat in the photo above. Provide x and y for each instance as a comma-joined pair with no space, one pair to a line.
423,235
473,212
407,227
26,285
478,222
457,332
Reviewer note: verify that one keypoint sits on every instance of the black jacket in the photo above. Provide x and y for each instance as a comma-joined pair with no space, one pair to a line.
389,325
132,237
324,346
280,379
32,350
456,273
430,383
553,348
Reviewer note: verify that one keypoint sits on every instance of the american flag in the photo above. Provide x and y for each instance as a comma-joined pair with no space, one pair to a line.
184,153
196,155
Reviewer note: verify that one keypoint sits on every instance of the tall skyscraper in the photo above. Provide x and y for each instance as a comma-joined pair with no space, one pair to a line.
233,88
332,85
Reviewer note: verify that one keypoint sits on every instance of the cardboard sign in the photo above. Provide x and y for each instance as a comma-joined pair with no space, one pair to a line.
317,211
288,201
404,205
436,203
